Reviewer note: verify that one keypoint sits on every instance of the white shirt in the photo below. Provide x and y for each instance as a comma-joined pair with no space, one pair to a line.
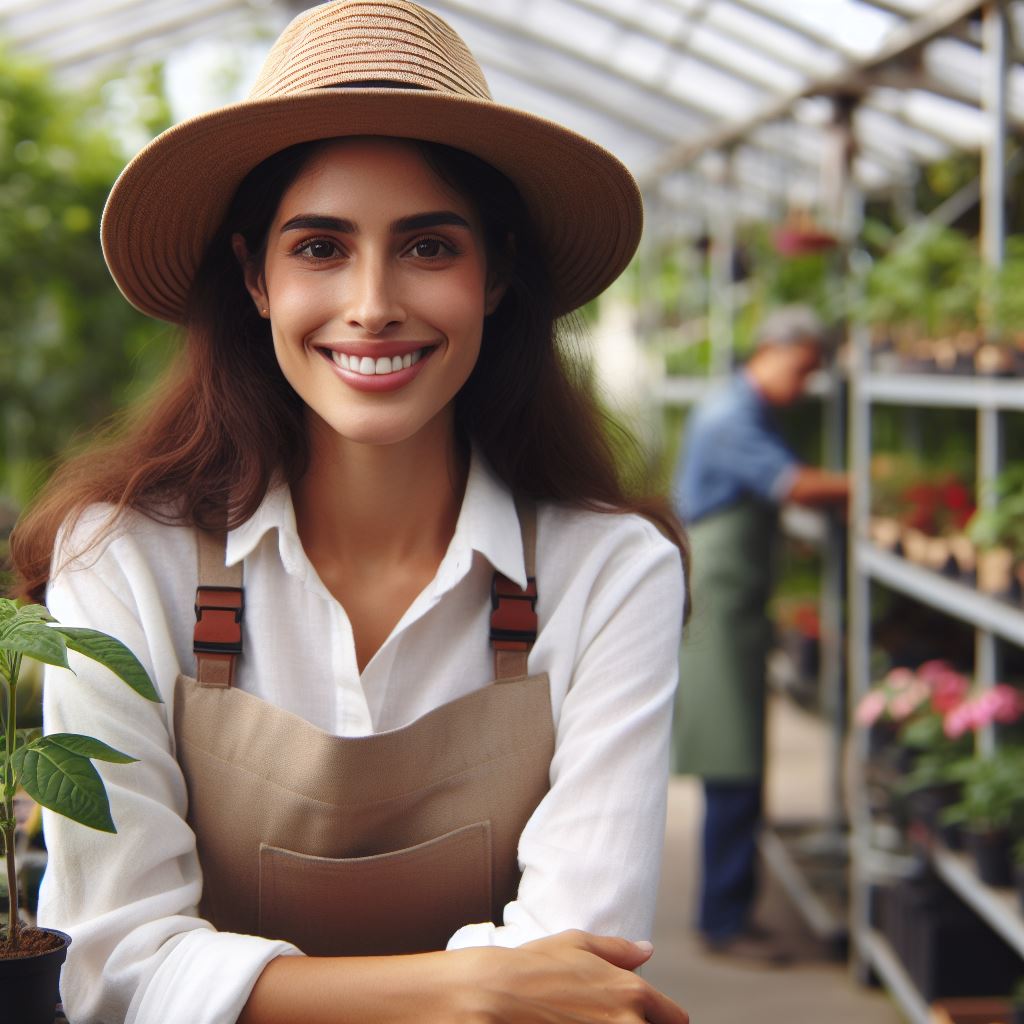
610,611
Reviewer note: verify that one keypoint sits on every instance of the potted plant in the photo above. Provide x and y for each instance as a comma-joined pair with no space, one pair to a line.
57,772
998,531
1017,1003
991,809
1018,872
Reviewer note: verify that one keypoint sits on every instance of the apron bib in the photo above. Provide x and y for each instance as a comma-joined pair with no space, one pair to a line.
368,845
720,704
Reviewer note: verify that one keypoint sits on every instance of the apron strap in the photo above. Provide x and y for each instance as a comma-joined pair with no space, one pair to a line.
220,603
513,609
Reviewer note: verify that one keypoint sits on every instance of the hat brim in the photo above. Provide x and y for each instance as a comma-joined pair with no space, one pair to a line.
169,201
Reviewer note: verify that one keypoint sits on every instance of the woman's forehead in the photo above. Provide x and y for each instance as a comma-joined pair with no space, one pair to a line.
368,171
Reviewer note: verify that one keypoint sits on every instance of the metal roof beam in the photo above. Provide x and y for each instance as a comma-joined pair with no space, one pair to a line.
913,34
641,27
471,12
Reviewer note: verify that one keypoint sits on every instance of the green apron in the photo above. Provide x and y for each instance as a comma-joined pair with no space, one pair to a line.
720,704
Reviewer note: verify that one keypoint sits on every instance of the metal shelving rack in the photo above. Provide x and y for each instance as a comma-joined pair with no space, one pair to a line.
993,620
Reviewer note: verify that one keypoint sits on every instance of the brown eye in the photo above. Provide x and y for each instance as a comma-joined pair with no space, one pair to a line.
318,249
430,248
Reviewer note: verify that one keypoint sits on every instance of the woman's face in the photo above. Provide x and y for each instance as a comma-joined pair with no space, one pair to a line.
375,278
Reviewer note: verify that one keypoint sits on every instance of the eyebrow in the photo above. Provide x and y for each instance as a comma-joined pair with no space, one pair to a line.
415,222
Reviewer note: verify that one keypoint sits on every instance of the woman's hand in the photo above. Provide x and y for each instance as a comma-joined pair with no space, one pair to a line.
573,977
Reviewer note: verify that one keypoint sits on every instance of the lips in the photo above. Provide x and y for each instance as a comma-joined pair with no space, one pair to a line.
378,366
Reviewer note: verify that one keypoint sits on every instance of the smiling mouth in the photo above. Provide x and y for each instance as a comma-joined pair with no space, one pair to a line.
367,366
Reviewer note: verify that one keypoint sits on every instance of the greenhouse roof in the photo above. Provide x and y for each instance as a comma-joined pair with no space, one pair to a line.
669,85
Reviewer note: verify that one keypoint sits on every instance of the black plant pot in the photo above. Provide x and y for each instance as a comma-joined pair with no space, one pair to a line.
1018,873
30,986
991,852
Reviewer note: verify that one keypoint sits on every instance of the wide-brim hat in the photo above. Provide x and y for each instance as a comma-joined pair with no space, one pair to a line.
360,68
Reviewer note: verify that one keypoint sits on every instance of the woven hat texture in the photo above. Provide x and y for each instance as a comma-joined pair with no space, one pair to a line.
365,68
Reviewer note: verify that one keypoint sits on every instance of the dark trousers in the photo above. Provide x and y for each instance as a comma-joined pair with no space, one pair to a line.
732,817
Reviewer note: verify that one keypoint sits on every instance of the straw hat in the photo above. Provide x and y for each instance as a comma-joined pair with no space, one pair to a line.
365,68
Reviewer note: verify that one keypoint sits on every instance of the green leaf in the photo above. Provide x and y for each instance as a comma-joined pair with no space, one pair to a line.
35,613
65,782
8,609
113,655
87,746
35,639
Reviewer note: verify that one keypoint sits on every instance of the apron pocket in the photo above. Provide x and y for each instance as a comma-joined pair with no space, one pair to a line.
409,901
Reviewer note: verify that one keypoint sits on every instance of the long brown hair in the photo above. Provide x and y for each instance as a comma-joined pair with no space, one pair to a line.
223,422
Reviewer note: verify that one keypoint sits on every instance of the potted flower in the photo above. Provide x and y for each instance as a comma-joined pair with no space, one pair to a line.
992,810
57,772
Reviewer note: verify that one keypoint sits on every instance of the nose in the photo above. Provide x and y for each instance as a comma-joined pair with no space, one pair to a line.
372,293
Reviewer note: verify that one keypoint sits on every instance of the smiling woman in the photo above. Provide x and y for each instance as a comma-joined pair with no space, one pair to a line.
417,644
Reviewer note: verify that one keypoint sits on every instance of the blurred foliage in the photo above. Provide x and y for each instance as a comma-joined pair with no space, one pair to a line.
927,280
71,349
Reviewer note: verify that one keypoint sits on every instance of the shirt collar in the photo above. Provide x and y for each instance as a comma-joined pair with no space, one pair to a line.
487,524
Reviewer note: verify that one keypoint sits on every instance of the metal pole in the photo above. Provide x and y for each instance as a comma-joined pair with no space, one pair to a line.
721,300
995,33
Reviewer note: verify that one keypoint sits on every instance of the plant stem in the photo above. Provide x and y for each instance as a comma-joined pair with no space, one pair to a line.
13,922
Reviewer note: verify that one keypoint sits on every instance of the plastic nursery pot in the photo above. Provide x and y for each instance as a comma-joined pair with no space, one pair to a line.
29,986
991,852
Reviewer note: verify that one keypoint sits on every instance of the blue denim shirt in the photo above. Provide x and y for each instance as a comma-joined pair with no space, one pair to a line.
732,450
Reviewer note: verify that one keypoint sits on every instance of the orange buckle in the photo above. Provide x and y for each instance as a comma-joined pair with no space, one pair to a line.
513,614
218,620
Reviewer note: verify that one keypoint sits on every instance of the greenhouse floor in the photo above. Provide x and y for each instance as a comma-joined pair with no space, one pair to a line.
715,990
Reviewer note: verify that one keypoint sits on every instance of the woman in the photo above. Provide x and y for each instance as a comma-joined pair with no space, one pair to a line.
416,653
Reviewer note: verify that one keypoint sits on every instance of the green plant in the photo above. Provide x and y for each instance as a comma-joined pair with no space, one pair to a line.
55,770
992,798
1001,524
928,281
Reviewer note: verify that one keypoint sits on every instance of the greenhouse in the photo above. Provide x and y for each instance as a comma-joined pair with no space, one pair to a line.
808,362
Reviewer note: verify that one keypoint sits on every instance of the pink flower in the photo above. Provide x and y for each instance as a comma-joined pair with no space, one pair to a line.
908,700
900,679
934,670
1001,703
949,690
871,708
959,721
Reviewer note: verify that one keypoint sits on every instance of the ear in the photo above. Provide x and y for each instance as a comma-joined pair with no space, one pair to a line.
495,293
255,283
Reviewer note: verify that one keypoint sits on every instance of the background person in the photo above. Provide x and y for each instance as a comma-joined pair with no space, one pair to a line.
436,645
734,472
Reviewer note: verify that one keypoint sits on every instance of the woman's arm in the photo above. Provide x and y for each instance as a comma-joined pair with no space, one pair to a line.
140,953
570,978
591,851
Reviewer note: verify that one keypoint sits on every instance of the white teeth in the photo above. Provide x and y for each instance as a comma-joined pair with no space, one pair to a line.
373,367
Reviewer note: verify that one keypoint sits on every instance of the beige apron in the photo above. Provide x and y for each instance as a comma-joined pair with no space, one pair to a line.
377,844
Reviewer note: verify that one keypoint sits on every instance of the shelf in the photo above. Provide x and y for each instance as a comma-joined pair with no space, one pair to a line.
948,391
794,868
875,949
947,596
998,907
677,389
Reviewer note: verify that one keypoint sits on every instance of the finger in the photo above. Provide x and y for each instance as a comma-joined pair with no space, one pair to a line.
659,1009
616,950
